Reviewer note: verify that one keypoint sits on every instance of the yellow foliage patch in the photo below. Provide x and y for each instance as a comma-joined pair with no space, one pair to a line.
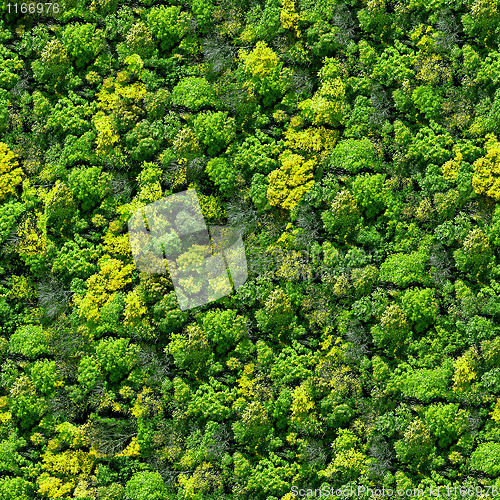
312,139
69,463
211,207
113,91
107,136
53,487
261,62
117,244
289,17
135,308
21,288
495,414
132,450
10,174
451,167
247,383
289,183
486,177
112,276
302,403
32,238
464,373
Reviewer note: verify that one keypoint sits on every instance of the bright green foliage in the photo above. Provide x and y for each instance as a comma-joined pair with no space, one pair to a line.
360,123
421,307
15,487
194,93
145,486
168,25
8,213
70,116
426,384
431,145
168,315
289,367
427,101
54,64
479,329
446,422
254,425
265,21
83,43
222,174
12,461
486,458
380,369
354,155
76,259
327,104
258,191
402,269
272,476
203,10
257,154
214,130
88,372
44,376
277,312
465,371
416,443
394,64
25,404
145,139
475,254
223,328
156,103
343,214
30,341
393,328
368,191
116,357
263,69
10,66
83,182
191,349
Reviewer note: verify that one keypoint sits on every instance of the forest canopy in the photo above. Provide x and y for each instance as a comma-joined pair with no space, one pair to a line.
354,146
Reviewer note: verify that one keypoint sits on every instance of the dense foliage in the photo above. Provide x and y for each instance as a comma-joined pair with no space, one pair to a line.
356,146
